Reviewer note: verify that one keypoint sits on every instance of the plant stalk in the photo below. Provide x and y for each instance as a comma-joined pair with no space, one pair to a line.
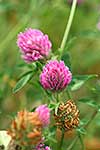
81,141
69,94
92,117
67,30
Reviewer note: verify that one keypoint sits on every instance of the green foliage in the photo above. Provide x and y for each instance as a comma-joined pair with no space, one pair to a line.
89,102
54,107
81,55
66,59
89,34
6,6
70,44
79,80
81,130
23,81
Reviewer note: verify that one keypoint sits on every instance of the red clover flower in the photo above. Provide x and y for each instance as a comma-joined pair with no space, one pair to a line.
44,114
34,45
26,128
42,146
55,76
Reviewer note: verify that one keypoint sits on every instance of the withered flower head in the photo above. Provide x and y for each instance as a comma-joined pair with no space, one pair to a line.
26,128
67,116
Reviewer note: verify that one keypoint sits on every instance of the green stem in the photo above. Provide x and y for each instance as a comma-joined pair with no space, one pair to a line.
65,37
61,142
55,97
81,141
91,119
69,94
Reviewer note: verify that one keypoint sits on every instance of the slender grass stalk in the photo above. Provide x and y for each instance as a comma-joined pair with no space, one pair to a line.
67,30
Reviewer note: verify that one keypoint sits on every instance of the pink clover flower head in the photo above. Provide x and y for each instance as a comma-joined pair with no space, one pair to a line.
44,114
55,76
42,146
78,1
33,44
98,25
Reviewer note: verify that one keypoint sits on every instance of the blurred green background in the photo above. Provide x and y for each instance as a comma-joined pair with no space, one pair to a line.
51,17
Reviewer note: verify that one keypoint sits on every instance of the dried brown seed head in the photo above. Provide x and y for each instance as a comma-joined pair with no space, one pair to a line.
26,128
67,116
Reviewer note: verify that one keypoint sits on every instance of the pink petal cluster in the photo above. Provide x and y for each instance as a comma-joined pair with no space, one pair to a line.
78,1
44,114
34,45
42,146
55,76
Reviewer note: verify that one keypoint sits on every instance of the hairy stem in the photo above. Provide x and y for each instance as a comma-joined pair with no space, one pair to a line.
65,37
